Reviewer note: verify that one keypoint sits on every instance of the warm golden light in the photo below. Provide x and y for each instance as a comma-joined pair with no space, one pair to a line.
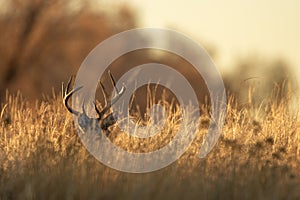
236,28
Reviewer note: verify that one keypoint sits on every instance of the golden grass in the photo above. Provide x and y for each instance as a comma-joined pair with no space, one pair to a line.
257,157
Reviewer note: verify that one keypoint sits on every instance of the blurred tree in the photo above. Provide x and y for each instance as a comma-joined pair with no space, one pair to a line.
43,42
255,78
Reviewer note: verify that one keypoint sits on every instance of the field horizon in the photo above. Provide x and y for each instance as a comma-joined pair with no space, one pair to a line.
256,157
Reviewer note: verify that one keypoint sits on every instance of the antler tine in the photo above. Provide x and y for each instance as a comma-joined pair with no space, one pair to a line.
105,95
119,93
108,102
113,81
65,91
62,90
68,94
98,111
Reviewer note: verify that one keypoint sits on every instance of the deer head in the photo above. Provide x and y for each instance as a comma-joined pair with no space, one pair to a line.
105,118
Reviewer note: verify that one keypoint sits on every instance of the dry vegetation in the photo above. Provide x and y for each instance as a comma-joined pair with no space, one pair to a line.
257,157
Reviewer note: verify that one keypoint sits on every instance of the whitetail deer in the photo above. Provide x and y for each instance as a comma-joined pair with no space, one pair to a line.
105,119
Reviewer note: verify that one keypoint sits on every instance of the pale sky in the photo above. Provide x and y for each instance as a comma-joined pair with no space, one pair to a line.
270,28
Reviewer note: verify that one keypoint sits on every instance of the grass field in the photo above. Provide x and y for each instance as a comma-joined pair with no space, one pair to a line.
257,157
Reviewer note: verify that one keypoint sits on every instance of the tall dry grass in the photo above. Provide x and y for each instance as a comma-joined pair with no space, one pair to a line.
257,157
